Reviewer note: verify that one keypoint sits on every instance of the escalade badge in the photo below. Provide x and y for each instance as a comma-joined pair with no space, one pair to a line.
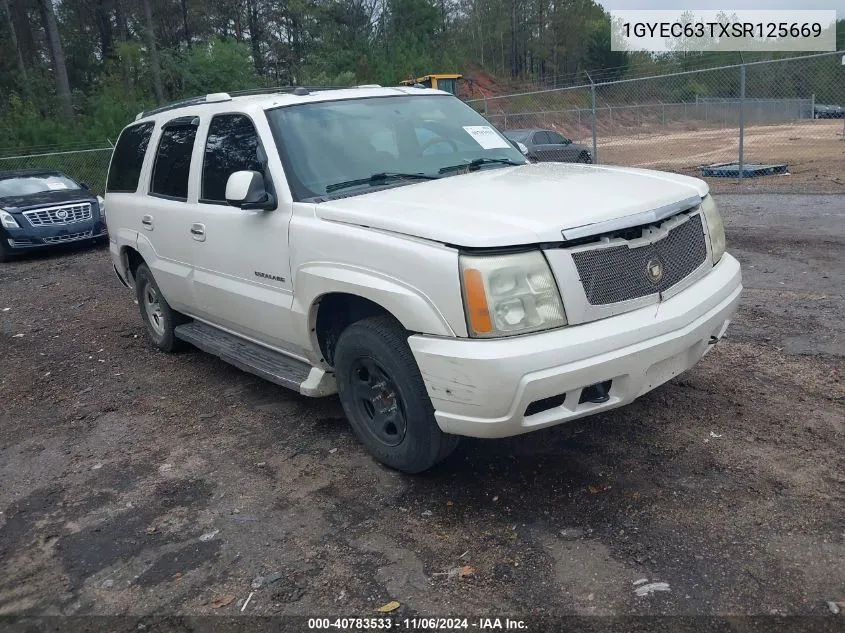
61,214
258,273
654,270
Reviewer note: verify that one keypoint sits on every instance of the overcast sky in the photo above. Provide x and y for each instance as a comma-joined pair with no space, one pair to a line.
838,5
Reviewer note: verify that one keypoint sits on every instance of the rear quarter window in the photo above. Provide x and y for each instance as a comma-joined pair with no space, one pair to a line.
128,158
173,158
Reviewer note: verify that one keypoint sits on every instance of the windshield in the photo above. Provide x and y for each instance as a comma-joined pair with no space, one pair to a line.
26,185
517,135
332,142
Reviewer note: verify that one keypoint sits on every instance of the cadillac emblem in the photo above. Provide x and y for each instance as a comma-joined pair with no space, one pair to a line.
61,214
654,270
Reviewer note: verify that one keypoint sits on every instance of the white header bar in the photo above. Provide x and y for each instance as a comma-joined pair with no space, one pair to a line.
722,30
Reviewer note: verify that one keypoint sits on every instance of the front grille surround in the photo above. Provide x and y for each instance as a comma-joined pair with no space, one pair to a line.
59,215
70,237
617,271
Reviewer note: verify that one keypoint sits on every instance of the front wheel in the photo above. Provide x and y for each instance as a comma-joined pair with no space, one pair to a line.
156,313
584,157
5,250
384,397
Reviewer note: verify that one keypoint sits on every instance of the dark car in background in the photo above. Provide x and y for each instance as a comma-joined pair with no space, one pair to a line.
548,145
40,208
828,111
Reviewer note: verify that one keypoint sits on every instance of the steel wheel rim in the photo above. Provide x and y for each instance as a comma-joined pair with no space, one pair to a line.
152,306
376,400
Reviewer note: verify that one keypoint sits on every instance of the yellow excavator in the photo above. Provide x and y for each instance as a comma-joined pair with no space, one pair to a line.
442,81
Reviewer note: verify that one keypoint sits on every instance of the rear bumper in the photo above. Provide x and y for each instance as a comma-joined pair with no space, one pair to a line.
483,388
31,237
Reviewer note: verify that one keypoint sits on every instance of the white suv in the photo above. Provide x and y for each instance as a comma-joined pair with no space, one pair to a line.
389,245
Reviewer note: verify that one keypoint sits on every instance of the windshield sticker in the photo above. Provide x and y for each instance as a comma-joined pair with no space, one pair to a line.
55,186
486,136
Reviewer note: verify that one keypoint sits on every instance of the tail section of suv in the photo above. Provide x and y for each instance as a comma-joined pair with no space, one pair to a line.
389,245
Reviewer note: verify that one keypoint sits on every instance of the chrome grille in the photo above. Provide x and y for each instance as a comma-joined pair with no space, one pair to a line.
64,214
619,273
70,237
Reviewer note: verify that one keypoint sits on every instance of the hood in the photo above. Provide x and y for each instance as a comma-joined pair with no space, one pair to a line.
520,205
46,198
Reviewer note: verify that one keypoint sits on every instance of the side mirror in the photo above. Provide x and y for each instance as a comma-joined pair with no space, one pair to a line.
520,146
246,189
84,185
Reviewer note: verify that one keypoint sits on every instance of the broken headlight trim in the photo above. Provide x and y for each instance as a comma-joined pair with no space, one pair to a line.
715,227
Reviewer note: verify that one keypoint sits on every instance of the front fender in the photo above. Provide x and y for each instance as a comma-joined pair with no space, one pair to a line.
411,307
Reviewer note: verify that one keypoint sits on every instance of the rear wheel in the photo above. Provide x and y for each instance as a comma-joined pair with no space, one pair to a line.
156,313
384,397
584,157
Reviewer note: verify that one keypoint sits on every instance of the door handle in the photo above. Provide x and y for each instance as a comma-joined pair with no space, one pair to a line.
198,232
147,221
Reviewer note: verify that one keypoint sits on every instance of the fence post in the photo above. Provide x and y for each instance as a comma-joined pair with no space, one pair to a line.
593,94
485,106
610,111
741,119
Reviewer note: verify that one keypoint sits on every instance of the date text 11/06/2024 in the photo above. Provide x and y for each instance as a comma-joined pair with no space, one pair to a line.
416,624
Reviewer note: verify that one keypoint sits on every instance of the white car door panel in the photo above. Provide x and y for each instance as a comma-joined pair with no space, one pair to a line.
242,271
165,246
241,259
165,222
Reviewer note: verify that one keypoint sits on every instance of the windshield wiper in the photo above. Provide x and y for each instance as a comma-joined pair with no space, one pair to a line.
478,162
378,179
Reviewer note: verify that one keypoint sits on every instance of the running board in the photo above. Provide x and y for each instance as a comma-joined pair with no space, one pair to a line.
246,355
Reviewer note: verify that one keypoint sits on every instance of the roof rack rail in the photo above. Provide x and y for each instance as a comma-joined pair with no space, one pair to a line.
171,106
284,89
237,93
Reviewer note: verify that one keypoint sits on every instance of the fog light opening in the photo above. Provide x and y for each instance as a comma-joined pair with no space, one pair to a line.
597,393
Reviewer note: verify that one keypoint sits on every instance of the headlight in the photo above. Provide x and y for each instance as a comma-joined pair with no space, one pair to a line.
510,294
715,227
7,220
102,203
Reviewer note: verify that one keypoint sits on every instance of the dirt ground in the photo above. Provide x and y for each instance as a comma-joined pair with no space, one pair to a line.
814,152
134,482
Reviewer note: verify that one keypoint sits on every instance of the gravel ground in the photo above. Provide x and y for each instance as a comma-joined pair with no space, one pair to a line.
134,482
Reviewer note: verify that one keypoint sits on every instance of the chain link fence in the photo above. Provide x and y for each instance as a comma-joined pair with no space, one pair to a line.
88,166
760,126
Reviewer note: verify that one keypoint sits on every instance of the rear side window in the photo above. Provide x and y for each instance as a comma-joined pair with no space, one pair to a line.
542,138
128,157
232,145
173,158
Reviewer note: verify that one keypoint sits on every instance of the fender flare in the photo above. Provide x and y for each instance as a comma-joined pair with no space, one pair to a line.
411,307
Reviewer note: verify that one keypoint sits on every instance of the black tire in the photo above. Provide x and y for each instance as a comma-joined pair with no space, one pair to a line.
584,157
160,320
5,251
380,387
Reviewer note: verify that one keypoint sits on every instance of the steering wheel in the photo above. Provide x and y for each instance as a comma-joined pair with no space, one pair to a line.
436,141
